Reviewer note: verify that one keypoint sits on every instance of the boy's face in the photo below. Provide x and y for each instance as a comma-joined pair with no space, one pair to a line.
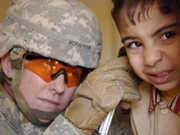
153,47
40,95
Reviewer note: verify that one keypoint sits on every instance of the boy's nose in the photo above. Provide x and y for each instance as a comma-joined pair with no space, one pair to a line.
152,56
58,85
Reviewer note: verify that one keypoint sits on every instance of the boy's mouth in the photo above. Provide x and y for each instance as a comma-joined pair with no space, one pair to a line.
160,77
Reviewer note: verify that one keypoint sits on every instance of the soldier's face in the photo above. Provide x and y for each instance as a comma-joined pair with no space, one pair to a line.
40,95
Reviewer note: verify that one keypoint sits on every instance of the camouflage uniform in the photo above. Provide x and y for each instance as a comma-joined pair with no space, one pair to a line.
64,30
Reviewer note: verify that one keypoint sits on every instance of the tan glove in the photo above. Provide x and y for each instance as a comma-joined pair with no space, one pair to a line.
100,93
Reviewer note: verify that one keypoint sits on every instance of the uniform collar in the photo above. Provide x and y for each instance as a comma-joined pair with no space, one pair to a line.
155,99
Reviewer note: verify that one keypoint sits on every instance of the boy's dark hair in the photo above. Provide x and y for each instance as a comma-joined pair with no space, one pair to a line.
129,6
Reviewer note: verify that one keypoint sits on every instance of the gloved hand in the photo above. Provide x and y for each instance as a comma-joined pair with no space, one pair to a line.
102,92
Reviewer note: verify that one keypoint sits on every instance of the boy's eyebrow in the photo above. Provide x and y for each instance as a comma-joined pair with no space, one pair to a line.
163,28
127,38
155,33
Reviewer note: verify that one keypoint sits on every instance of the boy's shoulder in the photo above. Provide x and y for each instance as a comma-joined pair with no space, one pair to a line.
145,91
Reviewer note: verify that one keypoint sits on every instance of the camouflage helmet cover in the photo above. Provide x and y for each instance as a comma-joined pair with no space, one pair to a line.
65,30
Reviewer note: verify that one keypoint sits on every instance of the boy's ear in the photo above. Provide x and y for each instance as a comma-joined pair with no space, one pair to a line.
6,65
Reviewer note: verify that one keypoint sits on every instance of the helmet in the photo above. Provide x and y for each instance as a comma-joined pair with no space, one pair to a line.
65,30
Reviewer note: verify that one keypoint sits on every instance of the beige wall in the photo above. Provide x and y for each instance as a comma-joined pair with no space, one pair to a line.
102,8
4,4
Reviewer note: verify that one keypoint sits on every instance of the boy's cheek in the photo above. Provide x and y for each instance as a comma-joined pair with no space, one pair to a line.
132,61
136,66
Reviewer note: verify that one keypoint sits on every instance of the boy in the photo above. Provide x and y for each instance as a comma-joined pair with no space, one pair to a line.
47,47
150,32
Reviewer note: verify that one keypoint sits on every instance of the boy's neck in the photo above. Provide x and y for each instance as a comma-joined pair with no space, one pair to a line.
169,95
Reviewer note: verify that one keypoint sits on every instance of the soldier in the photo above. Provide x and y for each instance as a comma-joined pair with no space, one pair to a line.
47,47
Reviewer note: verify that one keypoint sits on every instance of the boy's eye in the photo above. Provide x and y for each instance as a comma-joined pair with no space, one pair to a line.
134,45
167,36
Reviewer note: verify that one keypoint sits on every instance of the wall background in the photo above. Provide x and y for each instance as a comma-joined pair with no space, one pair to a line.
102,9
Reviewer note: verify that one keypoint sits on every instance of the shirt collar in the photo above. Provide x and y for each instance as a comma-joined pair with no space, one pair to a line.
155,99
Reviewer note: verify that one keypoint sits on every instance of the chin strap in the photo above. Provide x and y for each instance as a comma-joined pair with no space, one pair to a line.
32,115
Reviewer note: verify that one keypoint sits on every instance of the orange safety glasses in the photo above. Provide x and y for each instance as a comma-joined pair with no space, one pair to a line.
49,69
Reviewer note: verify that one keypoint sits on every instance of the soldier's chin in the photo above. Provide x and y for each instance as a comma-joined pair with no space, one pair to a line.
45,121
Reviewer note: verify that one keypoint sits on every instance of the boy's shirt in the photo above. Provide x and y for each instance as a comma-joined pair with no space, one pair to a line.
155,99
160,121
